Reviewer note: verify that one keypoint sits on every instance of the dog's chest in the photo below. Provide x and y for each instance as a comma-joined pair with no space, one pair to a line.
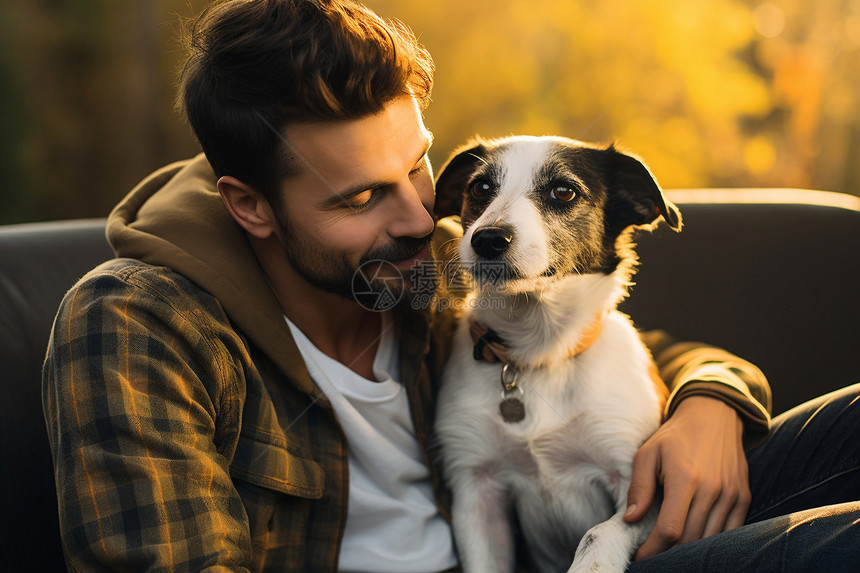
584,419
561,440
567,430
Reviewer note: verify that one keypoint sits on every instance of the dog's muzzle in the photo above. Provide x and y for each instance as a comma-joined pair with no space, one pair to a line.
491,242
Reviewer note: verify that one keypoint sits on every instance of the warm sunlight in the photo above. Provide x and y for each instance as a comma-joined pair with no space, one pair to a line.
724,93
718,93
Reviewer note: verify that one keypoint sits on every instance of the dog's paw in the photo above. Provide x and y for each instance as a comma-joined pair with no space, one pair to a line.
605,548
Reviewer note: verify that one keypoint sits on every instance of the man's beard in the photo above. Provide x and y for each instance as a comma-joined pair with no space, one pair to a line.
375,283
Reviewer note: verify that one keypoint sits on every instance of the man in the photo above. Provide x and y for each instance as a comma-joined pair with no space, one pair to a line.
217,398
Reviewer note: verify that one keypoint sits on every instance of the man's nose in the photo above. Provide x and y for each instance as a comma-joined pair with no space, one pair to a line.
412,216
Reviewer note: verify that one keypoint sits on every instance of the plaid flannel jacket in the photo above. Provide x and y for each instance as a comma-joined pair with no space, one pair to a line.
178,445
181,443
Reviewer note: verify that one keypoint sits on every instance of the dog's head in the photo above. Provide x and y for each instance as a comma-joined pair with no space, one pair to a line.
538,208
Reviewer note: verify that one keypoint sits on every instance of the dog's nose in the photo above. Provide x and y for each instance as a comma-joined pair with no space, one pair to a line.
491,242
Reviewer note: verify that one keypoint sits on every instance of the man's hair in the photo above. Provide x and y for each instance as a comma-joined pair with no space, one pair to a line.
255,66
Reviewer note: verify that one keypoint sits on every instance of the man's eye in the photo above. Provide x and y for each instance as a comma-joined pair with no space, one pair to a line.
359,200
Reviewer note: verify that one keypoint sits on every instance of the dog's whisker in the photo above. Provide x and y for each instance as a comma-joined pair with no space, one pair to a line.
451,242
481,159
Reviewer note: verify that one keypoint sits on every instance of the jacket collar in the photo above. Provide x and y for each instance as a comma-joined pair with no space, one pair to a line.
176,218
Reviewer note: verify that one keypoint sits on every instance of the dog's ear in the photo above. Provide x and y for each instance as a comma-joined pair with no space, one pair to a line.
451,180
637,192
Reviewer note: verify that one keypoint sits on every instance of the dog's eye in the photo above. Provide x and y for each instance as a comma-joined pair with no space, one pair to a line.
481,188
562,193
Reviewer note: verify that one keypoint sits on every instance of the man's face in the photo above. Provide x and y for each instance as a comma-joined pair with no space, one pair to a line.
364,194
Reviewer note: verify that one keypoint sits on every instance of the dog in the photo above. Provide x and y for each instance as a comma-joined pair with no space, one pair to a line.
549,431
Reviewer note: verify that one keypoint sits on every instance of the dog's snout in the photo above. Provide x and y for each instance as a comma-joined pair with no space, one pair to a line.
491,242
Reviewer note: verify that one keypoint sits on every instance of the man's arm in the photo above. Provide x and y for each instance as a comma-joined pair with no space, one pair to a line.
717,404
139,402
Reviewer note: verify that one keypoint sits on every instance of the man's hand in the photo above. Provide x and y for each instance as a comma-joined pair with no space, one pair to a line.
698,457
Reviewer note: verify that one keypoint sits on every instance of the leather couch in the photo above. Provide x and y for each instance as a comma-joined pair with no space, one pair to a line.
772,275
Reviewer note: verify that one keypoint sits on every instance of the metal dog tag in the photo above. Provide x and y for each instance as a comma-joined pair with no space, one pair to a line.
512,410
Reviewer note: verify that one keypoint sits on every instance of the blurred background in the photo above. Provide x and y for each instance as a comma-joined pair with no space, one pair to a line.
716,93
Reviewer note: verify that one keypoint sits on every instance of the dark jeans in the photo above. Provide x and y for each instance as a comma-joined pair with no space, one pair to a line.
805,512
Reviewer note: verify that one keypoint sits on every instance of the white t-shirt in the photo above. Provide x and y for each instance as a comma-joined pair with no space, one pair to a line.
393,524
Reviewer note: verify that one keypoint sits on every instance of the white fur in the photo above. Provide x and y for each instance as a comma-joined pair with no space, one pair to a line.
513,206
565,469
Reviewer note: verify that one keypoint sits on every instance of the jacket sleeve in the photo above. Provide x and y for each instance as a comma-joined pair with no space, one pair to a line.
139,397
697,369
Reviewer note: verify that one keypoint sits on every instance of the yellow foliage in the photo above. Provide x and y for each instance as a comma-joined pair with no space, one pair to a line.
716,92
759,154
708,92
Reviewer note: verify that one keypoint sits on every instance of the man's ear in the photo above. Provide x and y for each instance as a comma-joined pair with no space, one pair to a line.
451,181
247,207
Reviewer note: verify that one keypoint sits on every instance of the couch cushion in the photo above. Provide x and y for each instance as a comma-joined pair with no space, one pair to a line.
772,275
38,264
